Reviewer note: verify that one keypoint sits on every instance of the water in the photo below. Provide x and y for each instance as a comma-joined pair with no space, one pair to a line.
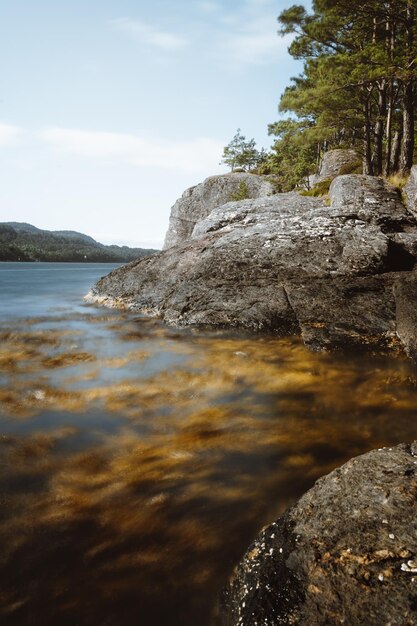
138,462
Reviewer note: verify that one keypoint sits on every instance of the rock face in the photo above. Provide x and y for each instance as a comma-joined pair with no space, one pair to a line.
288,264
335,163
198,202
346,553
411,191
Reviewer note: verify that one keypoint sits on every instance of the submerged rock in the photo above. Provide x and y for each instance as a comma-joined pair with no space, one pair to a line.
285,263
346,553
197,202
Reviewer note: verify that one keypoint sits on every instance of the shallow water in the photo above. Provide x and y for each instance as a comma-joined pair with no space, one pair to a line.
138,462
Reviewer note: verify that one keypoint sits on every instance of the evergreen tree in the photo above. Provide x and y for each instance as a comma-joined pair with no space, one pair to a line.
240,153
293,155
359,82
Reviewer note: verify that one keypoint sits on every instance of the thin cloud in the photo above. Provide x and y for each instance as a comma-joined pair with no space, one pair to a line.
9,134
249,37
255,43
150,35
209,7
196,155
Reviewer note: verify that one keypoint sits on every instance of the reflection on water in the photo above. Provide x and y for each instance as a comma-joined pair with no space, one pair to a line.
137,462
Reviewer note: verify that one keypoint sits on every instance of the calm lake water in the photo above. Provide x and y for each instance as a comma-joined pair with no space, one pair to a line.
138,462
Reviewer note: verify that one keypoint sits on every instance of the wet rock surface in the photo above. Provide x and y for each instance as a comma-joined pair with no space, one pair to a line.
346,553
288,264
197,202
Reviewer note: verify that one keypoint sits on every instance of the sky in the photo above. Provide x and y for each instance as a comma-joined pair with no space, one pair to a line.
110,109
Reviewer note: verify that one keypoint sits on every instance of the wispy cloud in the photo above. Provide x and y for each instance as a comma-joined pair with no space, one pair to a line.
149,34
209,7
9,134
255,43
249,36
196,155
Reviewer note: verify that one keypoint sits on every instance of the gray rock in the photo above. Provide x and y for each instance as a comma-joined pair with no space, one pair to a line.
411,191
335,163
284,263
346,553
197,202
370,199
349,311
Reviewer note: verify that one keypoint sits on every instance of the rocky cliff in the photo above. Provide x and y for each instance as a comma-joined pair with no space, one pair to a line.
340,272
346,553
197,202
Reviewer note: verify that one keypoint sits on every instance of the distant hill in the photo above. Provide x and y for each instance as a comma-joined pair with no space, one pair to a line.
23,242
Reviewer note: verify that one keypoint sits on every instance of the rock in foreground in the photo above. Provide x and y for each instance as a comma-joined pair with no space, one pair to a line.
287,264
346,553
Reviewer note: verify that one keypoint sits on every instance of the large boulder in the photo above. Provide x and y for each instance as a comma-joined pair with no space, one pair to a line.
336,163
286,263
198,202
346,553
371,200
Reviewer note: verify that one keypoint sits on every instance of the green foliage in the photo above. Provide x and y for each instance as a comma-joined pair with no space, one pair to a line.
293,155
242,154
358,87
319,190
242,193
351,168
23,242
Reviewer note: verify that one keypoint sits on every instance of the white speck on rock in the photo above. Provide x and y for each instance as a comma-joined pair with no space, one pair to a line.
410,566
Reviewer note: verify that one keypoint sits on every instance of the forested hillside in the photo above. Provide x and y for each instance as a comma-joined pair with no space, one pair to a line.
24,242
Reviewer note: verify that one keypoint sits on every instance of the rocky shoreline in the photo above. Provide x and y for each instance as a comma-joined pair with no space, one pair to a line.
337,271
340,272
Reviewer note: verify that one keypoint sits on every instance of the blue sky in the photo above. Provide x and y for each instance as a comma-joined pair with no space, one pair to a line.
109,109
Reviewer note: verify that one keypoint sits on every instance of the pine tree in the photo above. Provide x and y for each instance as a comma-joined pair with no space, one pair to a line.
240,153
359,80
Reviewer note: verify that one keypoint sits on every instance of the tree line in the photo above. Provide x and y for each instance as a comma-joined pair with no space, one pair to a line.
357,88
27,243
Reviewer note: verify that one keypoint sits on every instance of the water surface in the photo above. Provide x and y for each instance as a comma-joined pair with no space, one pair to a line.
138,462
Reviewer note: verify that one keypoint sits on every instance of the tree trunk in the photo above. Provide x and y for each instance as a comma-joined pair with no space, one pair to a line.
379,130
367,154
407,147
395,151
388,130
390,30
